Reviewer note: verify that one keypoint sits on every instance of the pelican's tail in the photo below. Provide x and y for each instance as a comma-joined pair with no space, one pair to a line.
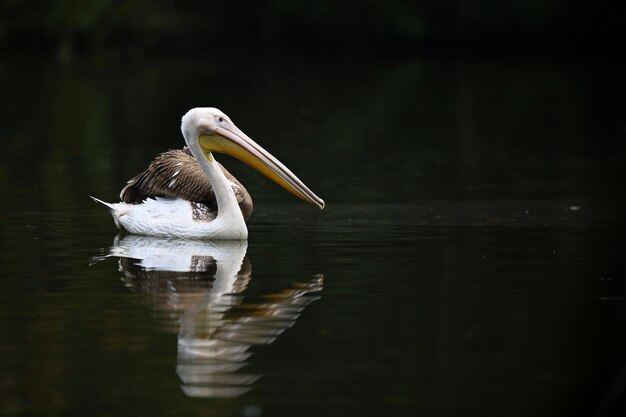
117,210
104,203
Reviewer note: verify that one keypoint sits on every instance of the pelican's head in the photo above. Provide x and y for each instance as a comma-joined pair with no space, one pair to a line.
213,131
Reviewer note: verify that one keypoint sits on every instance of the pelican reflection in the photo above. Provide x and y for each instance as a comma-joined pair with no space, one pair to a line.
198,289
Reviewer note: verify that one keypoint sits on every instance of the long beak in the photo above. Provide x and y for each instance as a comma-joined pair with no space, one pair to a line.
234,142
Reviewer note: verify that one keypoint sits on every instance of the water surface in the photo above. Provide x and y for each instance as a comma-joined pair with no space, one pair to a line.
468,261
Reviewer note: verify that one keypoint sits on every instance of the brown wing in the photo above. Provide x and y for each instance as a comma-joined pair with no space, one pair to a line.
176,173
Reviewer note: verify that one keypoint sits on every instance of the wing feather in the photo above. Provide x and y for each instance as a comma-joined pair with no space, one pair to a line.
175,173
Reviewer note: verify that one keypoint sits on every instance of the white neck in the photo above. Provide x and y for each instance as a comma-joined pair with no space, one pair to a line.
224,195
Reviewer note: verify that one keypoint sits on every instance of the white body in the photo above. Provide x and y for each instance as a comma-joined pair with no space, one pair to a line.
169,217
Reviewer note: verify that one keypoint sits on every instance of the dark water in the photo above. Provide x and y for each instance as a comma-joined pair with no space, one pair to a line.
469,261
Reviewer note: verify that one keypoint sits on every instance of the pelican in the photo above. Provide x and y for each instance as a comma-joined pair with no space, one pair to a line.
187,194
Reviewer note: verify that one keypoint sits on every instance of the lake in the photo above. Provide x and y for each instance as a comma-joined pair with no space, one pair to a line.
469,260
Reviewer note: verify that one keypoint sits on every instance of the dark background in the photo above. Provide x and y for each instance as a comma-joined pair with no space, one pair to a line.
480,88
368,28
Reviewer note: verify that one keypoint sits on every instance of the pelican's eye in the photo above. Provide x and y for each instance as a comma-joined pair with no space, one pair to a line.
220,119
